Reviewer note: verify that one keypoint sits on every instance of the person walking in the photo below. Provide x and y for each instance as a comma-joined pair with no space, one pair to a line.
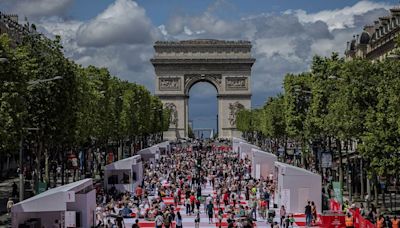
210,212
282,214
178,220
308,214
314,212
159,220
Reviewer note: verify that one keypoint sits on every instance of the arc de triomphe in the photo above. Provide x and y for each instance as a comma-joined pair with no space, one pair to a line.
225,64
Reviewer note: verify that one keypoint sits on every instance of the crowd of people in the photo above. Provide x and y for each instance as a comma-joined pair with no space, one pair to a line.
178,179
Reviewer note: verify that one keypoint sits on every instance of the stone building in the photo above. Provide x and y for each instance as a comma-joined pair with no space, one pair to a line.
376,41
9,24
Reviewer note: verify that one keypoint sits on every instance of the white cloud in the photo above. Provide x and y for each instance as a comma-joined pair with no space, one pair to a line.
37,8
339,18
123,22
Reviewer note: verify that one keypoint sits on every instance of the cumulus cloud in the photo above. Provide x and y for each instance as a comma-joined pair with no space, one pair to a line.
339,18
37,8
123,22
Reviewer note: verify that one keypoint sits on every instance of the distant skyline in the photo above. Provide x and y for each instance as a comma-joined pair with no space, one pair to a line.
119,34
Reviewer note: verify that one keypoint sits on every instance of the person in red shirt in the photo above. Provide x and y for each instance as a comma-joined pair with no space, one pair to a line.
139,192
226,198
192,199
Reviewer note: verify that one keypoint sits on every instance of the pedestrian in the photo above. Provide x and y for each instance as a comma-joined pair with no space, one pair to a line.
56,224
380,222
282,214
178,220
136,224
314,212
197,220
395,222
159,220
14,190
188,210
349,221
10,204
308,214
220,216
119,221
210,212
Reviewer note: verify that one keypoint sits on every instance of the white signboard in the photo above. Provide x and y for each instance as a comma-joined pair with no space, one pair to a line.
285,199
70,219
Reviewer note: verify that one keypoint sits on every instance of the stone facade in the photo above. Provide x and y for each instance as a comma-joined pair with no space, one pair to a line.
376,41
224,64
9,24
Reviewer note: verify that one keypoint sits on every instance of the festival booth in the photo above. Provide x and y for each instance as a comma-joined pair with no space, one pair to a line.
164,147
296,186
73,205
235,144
245,150
151,154
263,164
124,175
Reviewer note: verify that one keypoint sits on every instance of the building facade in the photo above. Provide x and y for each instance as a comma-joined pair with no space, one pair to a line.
9,25
377,41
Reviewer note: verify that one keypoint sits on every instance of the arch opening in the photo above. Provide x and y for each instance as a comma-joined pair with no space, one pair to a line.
202,109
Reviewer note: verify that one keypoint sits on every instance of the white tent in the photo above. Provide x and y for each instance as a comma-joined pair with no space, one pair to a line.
125,174
151,154
164,146
245,150
235,144
70,204
263,163
296,186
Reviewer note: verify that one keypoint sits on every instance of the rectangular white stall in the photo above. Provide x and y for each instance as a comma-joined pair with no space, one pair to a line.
263,164
235,144
296,186
245,150
164,147
151,154
73,205
124,175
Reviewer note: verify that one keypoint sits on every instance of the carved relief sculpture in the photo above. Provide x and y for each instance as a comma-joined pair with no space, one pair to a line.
236,83
169,84
173,117
234,108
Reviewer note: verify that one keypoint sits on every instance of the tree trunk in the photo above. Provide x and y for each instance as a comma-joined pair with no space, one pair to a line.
339,148
46,167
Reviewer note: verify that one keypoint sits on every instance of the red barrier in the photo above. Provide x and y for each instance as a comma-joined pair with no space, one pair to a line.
333,220
334,205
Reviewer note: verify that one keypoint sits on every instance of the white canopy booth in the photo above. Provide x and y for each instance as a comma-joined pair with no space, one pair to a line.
164,147
235,144
73,205
245,148
296,186
263,163
151,154
125,174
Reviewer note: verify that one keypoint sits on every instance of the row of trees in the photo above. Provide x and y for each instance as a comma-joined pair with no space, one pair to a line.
67,105
338,102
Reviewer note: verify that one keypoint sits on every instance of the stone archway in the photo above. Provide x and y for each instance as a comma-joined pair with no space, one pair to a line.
224,64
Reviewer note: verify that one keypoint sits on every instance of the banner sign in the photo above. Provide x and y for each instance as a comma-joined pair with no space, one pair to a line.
337,188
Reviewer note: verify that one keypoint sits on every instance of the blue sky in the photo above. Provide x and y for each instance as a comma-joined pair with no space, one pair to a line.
119,34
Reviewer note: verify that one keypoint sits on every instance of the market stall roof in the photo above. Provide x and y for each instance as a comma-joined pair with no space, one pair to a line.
54,199
163,144
294,170
149,150
267,154
124,163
